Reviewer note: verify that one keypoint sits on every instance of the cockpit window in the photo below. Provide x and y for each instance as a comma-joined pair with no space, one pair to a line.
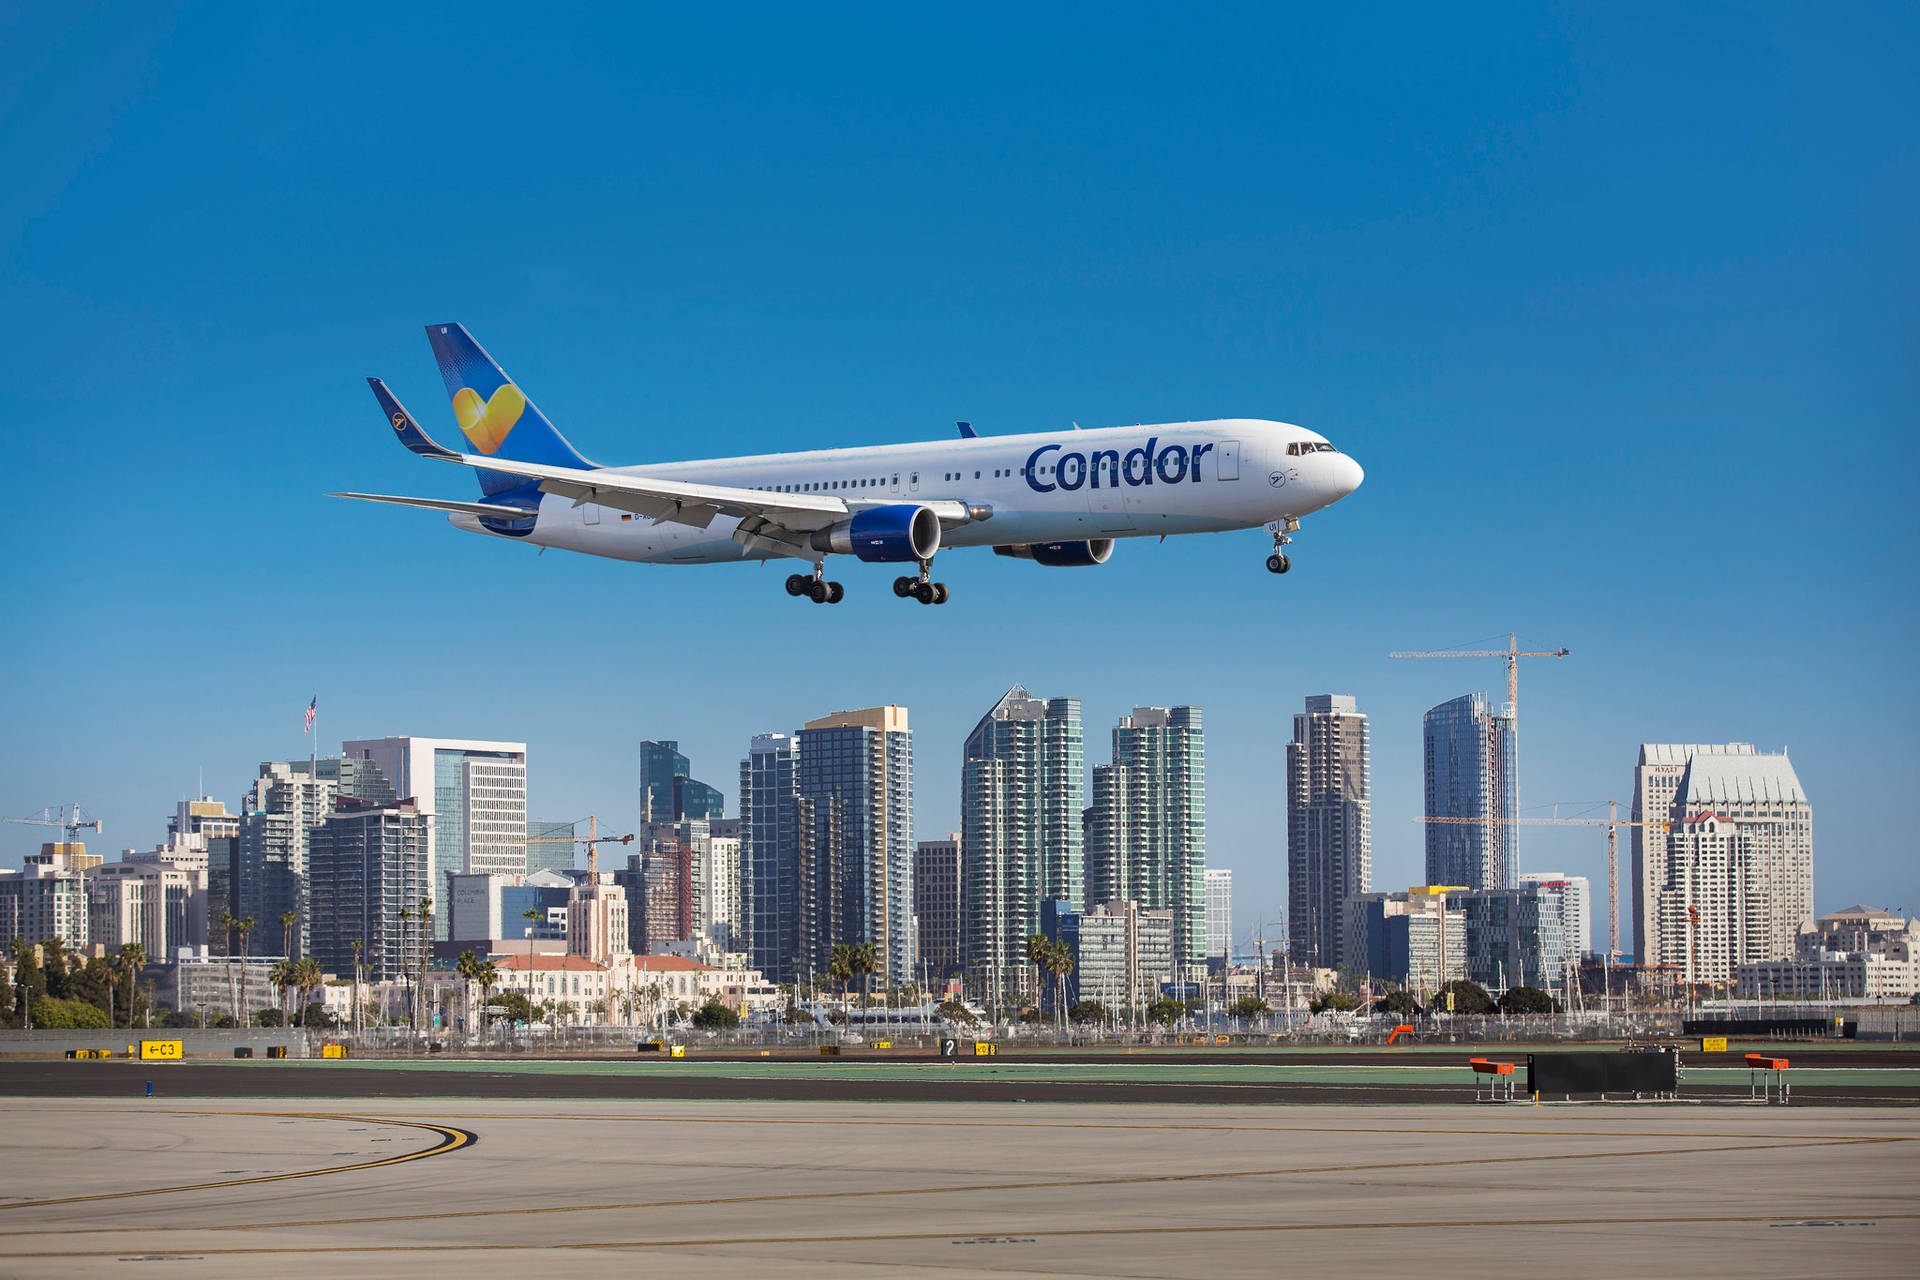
1299,447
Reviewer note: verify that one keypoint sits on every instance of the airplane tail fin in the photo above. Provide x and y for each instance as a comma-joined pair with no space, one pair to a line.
495,415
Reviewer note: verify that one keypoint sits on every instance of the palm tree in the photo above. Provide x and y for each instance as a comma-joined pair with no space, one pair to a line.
467,965
864,960
307,979
281,976
486,974
1059,962
131,956
359,947
226,947
245,925
840,968
426,939
286,931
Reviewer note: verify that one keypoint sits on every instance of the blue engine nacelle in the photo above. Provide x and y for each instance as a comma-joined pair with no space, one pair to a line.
902,532
1062,555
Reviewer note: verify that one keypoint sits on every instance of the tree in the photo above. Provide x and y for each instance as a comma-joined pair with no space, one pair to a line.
287,919
1249,1007
270,1018
245,926
1054,958
128,961
467,965
1468,997
359,948
426,939
516,1007
307,979
55,967
795,1013
28,977
714,1016
840,968
1089,1011
488,976
954,1011
227,922
1331,1002
1167,1010
1397,1002
280,978
1524,1000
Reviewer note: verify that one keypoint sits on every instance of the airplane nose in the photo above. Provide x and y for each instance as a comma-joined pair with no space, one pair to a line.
1350,475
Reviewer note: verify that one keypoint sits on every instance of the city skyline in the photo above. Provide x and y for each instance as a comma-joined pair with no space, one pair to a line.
1558,282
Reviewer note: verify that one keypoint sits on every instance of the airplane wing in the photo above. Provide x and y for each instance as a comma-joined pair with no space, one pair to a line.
492,510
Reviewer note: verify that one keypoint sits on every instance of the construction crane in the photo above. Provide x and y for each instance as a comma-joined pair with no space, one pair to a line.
68,819
593,839
1612,822
1512,654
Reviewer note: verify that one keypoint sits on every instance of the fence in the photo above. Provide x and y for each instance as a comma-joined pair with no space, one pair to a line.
194,1043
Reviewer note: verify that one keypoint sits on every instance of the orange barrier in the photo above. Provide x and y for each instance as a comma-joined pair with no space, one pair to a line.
1766,1077
1404,1029
1499,1077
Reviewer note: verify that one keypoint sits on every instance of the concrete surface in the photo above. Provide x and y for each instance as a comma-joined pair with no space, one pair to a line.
804,1189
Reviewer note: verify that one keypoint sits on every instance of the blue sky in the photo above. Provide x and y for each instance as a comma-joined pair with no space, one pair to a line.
1616,309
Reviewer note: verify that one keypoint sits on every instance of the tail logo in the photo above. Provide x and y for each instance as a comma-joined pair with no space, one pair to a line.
486,424
399,422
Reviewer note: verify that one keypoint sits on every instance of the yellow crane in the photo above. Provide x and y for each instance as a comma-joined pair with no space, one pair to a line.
593,840
1511,655
1612,822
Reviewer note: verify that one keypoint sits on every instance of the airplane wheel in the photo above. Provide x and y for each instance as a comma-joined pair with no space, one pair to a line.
903,587
797,584
923,592
1278,563
835,593
819,591
939,593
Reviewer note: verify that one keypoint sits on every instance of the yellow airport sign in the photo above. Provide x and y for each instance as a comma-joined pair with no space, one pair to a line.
333,1051
678,1051
1713,1044
162,1050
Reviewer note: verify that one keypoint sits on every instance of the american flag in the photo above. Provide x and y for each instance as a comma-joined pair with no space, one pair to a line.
311,708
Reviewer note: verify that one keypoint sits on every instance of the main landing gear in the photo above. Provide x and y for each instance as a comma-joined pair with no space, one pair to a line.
1278,561
816,588
919,588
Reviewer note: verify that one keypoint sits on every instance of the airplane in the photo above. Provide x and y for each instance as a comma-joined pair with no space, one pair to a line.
1057,499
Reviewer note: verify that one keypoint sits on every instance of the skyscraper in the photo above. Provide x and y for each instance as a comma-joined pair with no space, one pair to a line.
550,846
668,791
288,799
1021,799
1472,773
770,855
1576,911
475,792
1220,913
1329,831
367,864
936,905
1731,881
856,770
1146,831
207,821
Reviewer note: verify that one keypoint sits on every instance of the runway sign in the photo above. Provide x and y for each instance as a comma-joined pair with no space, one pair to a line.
170,1050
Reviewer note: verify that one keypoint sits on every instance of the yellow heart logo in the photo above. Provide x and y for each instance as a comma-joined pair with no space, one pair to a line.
486,425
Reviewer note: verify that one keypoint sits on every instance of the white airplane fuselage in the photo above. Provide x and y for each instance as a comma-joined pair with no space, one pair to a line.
1054,486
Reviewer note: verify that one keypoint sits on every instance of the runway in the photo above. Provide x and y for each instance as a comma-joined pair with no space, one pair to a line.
499,1188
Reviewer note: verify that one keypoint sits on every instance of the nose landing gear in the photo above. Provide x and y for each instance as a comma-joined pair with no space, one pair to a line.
919,588
816,588
1278,561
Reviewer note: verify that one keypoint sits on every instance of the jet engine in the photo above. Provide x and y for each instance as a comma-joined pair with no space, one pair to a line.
1061,555
884,534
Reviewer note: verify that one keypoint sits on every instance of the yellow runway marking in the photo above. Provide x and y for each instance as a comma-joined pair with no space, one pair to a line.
451,1140
1052,1185
962,1237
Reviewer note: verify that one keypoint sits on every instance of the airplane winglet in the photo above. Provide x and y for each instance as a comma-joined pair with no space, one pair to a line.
403,423
966,430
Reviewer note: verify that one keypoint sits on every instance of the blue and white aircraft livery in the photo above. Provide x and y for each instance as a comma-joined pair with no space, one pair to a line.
1056,498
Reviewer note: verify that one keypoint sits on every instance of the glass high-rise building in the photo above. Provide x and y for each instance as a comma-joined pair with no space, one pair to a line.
770,855
1329,835
1220,913
1146,830
1021,800
475,793
550,845
1472,772
936,906
366,867
668,791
